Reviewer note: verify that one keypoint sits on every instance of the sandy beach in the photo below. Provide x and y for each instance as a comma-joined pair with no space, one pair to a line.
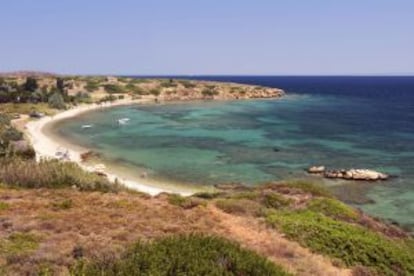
47,146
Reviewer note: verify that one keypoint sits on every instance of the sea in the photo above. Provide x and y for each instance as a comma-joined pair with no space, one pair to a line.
338,122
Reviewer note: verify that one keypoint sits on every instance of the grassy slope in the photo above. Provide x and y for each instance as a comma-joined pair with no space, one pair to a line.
63,222
48,229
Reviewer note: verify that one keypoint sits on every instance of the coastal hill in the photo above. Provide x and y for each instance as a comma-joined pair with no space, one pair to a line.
92,89
57,219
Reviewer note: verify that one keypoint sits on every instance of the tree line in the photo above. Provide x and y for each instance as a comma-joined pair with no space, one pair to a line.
30,92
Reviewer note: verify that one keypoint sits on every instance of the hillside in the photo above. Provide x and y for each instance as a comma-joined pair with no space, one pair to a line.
57,219
80,89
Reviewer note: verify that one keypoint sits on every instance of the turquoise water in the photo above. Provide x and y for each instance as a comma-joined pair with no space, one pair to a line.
251,142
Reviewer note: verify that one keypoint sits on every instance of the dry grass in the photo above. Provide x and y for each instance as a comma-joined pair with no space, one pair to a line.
70,224
51,174
27,108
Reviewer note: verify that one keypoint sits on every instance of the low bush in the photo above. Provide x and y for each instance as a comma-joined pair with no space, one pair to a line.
209,92
333,208
83,97
112,88
57,101
63,205
207,195
10,134
352,244
184,202
188,84
18,243
168,84
239,206
108,98
155,91
51,174
252,195
91,86
135,89
4,119
276,201
139,80
183,255
26,152
313,188
4,206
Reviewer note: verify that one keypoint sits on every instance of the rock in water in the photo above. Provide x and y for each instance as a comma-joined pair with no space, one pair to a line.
363,174
316,169
352,174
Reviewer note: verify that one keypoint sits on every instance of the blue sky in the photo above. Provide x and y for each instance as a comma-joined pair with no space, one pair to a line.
270,37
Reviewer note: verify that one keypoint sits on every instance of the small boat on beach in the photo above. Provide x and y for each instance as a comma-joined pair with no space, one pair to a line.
123,121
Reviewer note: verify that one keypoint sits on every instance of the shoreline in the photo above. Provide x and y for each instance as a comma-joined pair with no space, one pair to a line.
46,146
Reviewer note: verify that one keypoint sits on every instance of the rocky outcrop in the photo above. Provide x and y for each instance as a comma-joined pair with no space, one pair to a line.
316,169
351,174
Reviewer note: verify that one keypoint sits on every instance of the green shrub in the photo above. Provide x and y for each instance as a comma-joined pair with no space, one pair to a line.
313,188
140,91
352,244
63,205
135,89
4,206
332,208
276,201
10,134
168,84
25,152
206,195
57,101
209,92
83,97
188,84
109,98
184,202
139,80
18,243
112,88
51,174
183,255
92,86
239,206
252,195
155,92
4,119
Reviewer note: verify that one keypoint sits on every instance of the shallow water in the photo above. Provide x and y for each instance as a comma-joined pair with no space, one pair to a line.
338,122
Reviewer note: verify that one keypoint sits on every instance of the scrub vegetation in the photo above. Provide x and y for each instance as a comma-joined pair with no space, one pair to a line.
57,219
183,255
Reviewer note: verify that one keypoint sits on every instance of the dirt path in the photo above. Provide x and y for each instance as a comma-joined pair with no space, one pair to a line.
268,242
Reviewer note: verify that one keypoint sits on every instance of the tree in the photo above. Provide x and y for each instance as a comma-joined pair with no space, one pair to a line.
57,101
60,84
30,84
155,92
61,87
36,96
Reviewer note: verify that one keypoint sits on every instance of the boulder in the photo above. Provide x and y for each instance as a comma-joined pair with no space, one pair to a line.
370,175
356,174
316,169
351,174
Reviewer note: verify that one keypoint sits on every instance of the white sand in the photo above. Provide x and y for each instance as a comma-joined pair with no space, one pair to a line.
46,147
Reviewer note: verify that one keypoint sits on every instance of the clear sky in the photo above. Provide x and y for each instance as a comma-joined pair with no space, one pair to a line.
271,37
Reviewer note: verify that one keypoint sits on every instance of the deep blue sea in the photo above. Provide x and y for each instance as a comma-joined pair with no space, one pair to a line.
339,122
